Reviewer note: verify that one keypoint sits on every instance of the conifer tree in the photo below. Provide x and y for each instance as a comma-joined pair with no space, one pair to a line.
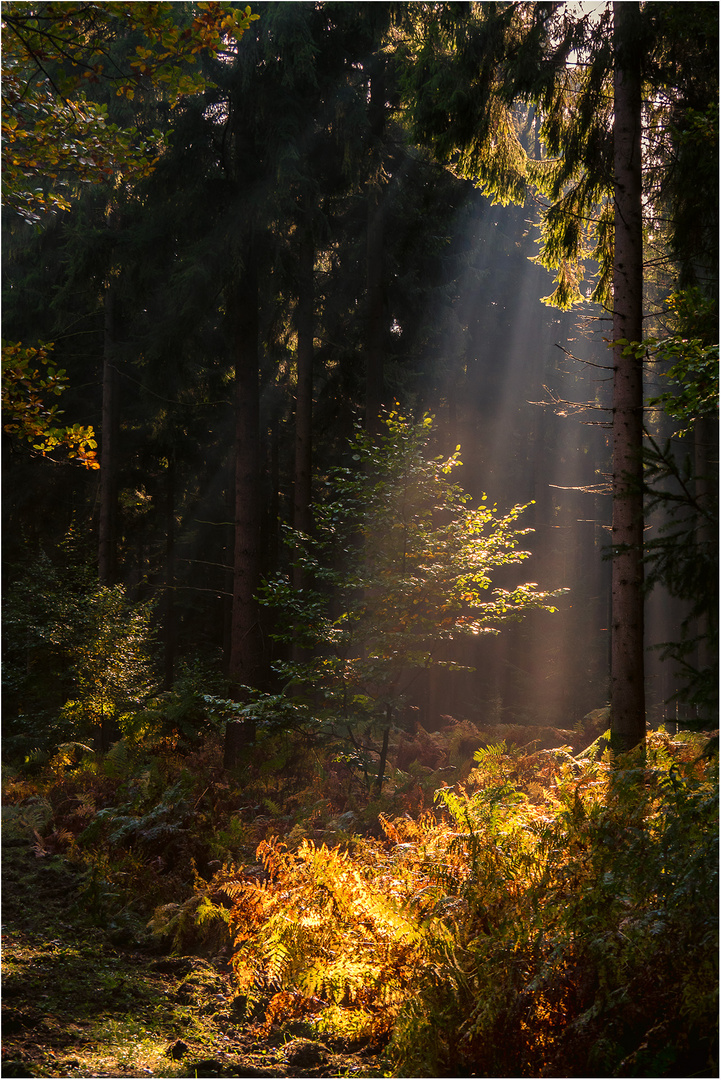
267,177
628,710
540,98
70,69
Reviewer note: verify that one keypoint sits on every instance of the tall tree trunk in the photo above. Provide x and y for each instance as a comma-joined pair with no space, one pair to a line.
304,393
108,445
375,309
706,484
628,715
303,472
246,643
270,544
375,305
169,626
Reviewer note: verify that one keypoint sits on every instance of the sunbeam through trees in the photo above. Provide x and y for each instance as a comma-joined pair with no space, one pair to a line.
360,605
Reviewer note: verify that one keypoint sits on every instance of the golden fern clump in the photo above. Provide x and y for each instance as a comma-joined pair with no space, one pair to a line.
496,845
15,788
465,935
290,1006
338,927
537,850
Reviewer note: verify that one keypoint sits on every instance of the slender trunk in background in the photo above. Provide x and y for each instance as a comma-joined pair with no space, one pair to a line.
245,638
706,485
302,485
304,395
374,300
375,320
628,713
169,627
271,540
384,751
107,532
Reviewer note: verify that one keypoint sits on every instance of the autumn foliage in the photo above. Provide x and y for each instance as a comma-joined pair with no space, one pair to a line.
548,915
54,53
539,921
28,381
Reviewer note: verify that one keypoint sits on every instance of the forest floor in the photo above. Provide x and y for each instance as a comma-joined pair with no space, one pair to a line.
76,1001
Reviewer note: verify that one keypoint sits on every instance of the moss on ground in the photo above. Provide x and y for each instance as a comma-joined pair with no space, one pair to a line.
83,999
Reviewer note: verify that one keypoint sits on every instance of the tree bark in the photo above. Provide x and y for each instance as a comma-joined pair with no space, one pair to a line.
302,494
107,531
628,716
245,638
375,302
169,624
706,484
375,305
303,471
384,752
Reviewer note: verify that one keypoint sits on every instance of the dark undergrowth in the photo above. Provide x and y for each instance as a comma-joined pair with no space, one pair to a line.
543,915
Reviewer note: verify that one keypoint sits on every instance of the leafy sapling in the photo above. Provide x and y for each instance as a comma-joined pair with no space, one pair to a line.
400,563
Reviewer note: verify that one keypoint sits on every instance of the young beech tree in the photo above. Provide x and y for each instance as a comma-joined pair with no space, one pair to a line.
399,564
55,134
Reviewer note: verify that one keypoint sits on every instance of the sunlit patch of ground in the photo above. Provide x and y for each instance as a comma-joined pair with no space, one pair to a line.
76,1005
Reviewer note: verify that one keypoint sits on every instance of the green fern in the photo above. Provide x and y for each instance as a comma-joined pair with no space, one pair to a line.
208,912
